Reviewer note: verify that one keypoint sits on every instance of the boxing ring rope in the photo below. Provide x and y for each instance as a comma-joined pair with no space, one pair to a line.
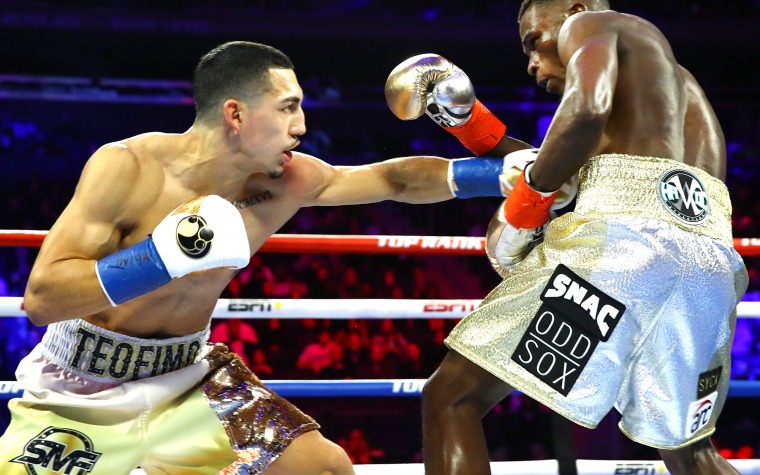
358,244
341,309
547,467
397,309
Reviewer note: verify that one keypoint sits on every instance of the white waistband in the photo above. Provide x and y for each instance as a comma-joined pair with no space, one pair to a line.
105,356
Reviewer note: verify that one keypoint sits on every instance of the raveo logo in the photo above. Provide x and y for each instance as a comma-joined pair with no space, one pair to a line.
683,195
59,451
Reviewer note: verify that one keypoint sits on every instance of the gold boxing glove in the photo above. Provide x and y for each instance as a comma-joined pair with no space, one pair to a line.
430,84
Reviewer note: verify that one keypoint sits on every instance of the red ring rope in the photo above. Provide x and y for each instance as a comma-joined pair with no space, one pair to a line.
338,243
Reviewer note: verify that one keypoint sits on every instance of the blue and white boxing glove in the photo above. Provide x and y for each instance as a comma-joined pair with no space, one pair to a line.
203,233
490,176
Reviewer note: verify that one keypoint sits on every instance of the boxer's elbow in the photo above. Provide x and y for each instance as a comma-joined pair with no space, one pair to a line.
596,112
590,106
39,305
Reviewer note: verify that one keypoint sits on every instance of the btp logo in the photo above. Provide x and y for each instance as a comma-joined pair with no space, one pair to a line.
194,236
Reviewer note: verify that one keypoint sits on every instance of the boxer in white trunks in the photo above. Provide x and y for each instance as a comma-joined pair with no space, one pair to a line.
626,302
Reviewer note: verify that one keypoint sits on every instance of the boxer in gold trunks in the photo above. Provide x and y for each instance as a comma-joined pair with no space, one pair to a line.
130,273
629,301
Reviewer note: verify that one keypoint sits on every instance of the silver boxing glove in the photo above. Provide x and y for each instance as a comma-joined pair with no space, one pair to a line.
507,246
430,84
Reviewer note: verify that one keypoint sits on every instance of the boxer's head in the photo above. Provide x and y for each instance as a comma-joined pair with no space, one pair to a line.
567,5
235,70
540,22
251,91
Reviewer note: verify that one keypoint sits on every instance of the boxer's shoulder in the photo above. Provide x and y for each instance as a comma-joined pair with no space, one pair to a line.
305,172
121,183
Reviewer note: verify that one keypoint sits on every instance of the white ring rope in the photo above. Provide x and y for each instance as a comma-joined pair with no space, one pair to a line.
551,467
341,309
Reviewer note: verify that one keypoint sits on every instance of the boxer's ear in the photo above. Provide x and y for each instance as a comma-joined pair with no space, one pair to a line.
576,8
232,113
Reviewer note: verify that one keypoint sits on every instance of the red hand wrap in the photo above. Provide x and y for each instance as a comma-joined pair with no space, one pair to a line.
481,132
525,207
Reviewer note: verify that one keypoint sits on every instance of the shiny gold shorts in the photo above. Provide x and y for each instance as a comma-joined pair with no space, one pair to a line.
628,303
213,416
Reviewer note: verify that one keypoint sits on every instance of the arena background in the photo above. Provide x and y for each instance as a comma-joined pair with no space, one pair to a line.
77,74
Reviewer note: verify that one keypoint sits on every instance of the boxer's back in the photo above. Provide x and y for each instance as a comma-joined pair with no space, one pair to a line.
659,109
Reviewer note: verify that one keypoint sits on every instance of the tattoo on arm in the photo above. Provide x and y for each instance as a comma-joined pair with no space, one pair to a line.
253,199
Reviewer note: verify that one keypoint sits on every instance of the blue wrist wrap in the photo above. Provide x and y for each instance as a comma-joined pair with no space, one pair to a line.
477,176
132,272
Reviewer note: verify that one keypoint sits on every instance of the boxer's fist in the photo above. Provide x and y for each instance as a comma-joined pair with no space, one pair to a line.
204,233
430,84
519,223
514,167
506,245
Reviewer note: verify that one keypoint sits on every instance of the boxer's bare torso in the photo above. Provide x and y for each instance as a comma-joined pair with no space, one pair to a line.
184,305
623,92
659,108
163,183
128,187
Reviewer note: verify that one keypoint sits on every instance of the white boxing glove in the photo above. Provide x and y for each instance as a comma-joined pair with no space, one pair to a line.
514,166
490,176
204,233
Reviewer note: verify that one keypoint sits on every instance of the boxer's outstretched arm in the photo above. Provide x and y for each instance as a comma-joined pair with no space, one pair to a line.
418,179
63,283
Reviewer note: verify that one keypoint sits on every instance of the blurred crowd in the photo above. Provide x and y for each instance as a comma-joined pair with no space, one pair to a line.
41,160
406,8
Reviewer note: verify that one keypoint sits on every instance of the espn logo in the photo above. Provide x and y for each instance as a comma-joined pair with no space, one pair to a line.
636,468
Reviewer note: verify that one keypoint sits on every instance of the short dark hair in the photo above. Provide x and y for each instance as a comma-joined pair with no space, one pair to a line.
237,69
596,5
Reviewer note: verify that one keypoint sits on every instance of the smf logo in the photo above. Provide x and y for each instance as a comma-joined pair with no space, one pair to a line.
683,195
194,236
57,450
